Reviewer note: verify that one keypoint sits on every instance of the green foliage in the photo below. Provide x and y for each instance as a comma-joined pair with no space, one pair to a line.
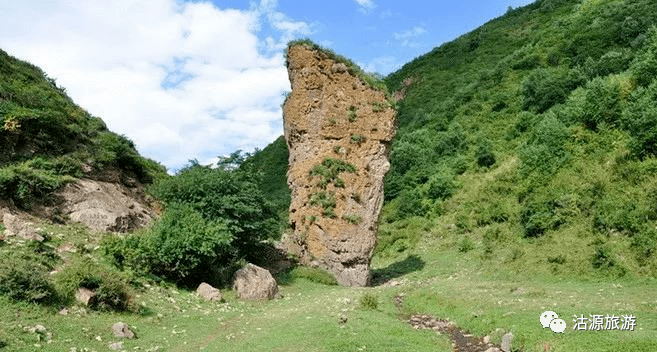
325,200
441,186
352,115
369,301
466,244
24,277
484,154
352,218
546,87
358,139
112,290
183,246
356,197
233,198
640,121
602,103
644,67
329,170
29,181
544,151
603,258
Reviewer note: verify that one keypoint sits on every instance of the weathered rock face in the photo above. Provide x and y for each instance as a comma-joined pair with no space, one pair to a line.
338,131
103,206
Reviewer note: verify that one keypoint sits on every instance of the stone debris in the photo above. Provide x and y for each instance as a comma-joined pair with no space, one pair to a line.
463,342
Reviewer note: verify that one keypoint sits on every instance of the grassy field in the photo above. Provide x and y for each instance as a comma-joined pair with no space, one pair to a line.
477,294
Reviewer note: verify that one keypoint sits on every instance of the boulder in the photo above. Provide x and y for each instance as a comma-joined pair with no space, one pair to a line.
332,117
122,330
209,292
254,282
14,226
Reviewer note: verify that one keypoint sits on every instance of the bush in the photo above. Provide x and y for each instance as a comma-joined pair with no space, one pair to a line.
325,200
410,204
602,103
352,218
603,258
484,154
466,244
644,66
329,170
182,247
24,278
369,301
441,186
544,151
223,197
639,119
546,87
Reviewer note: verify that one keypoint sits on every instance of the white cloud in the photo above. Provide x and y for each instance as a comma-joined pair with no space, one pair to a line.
365,5
406,37
182,80
383,65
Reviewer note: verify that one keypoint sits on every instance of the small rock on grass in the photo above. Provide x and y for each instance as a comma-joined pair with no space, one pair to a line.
209,292
116,346
506,342
122,330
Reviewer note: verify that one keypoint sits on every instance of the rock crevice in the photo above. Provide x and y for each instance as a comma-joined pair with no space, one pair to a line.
338,130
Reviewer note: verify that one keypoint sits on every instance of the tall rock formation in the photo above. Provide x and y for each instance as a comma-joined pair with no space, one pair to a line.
338,130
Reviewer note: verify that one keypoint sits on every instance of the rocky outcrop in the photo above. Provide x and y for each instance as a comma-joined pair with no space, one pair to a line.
254,282
338,131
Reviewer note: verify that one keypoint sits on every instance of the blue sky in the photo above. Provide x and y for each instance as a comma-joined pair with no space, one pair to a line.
199,79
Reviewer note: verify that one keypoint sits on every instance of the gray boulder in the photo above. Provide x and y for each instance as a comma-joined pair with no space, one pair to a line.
209,292
254,282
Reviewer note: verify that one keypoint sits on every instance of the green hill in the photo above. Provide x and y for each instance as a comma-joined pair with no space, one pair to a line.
46,140
531,141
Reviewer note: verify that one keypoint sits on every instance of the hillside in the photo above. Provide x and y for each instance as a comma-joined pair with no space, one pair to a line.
46,140
530,141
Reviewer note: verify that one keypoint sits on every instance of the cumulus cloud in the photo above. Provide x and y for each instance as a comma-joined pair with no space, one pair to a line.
183,80
365,5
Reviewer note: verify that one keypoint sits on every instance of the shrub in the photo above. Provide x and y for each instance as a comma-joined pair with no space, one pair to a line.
484,154
603,258
182,246
451,142
410,204
441,186
466,244
352,116
639,119
602,103
545,151
24,278
352,218
358,139
369,301
329,170
644,66
223,197
545,87
325,200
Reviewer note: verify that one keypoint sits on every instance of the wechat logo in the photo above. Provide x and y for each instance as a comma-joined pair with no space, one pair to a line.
551,319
